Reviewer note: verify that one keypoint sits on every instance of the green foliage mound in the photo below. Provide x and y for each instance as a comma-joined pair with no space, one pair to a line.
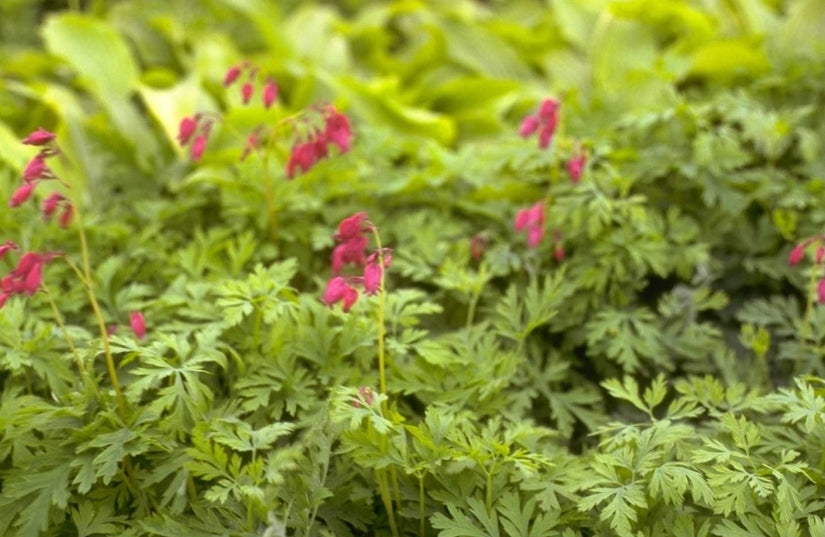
617,334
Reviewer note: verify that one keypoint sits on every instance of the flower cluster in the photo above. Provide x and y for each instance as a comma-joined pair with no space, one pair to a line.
195,129
531,220
353,241
26,277
544,122
314,146
798,254
37,170
269,94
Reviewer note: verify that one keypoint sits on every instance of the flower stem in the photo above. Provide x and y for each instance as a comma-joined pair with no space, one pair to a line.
85,278
421,506
380,321
84,373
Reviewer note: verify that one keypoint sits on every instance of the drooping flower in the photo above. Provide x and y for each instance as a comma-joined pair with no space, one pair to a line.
22,194
246,92
304,156
373,272
545,122
66,216
575,166
252,143
138,324
529,126
232,75
352,226
797,254
50,204
478,245
187,128
270,93
39,137
820,291
36,169
26,277
531,220
337,129
339,290
6,247
198,147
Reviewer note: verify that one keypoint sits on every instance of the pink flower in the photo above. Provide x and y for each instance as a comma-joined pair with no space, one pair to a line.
252,143
186,129
39,137
534,236
232,75
531,220
349,252
478,245
351,226
3,298
820,291
545,122
366,394
797,254
575,166
36,168
138,324
33,278
303,156
50,204
246,92
22,194
545,137
338,290
270,94
372,278
529,126
198,146
4,248
66,216
337,129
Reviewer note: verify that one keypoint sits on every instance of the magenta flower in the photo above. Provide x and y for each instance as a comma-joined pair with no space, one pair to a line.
820,291
246,92
39,137
797,254
26,277
270,94
22,194
138,324
478,245
575,166
544,122
373,272
351,226
232,75
50,204
198,147
66,216
187,128
5,248
531,220
36,169
337,129
338,290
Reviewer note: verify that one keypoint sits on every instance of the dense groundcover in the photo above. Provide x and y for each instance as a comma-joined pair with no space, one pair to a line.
461,269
